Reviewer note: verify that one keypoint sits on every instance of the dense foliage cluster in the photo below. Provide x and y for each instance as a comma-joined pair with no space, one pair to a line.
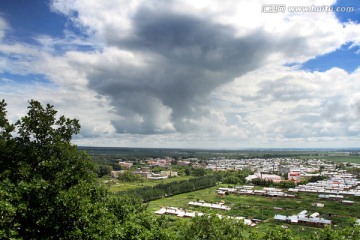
172,188
233,177
270,183
48,189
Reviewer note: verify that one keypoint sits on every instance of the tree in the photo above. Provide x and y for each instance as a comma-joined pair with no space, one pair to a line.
213,228
5,127
38,164
48,189
198,172
187,171
104,170
356,172
42,149
128,176
277,234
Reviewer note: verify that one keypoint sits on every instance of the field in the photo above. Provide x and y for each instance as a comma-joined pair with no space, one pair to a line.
116,186
334,157
263,208
144,153
251,207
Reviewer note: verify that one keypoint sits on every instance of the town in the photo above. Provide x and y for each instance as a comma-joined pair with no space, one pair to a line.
271,178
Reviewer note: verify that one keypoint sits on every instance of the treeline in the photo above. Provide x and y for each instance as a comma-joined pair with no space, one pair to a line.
233,176
316,178
172,188
285,184
270,183
177,187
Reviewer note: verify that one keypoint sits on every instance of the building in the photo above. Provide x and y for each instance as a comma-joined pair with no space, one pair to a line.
269,177
294,176
125,165
302,218
183,163
115,174
168,174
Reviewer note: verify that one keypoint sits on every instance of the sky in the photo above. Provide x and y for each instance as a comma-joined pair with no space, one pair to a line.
229,74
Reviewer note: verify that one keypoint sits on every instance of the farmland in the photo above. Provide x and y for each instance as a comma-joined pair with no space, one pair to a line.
264,208
248,206
116,186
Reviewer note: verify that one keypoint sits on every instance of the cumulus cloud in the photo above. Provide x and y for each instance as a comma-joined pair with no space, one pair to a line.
3,27
186,72
316,107
162,59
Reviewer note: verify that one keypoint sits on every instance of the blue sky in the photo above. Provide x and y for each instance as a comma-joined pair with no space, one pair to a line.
348,16
31,18
184,73
346,57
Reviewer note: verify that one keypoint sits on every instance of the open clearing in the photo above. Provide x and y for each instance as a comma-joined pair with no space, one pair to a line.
117,186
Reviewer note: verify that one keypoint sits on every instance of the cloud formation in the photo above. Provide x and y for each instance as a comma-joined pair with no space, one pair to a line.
188,72
161,62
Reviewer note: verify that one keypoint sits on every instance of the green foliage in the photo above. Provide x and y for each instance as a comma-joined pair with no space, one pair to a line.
287,184
348,233
187,171
198,172
262,182
355,171
173,188
316,178
277,233
5,127
270,183
8,210
213,228
103,170
82,213
233,176
42,149
48,189
128,176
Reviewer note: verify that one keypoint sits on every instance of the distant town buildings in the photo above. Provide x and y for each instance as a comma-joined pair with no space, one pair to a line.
183,163
303,218
337,186
344,184
161,162
179,212
125,165
248,190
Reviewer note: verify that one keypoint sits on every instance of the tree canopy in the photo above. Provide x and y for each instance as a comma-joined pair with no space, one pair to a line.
48,188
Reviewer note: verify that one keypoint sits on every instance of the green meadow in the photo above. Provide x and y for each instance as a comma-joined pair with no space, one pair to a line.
115,185
264,208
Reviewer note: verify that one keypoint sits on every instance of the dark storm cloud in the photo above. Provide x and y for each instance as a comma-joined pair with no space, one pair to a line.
191,41
187,58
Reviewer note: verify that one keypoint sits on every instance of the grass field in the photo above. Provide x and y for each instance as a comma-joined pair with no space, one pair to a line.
261,207
335,158
116,186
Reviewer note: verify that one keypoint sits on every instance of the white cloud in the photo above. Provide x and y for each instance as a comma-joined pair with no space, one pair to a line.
298,105
3,27
216,79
